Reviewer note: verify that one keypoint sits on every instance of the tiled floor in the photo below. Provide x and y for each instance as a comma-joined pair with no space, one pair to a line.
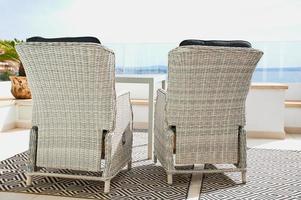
13,142
291,142
16,141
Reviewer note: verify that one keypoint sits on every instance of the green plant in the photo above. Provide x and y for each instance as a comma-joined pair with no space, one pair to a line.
4,76
10,53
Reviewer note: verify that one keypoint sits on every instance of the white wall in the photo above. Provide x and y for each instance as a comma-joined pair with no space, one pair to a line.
293,92
7,108
265,110
293,117
7,116
5,87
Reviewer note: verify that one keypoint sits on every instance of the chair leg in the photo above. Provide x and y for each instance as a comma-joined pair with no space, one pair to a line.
28,180
244,177
155,159
130,165
169,178
107,186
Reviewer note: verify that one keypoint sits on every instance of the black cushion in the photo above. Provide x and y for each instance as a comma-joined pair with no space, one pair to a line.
64,39
219,43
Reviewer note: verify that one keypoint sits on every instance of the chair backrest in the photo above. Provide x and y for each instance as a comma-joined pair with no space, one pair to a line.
207,89
74,98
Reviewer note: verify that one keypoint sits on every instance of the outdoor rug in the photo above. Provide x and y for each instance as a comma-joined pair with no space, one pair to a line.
272,174
144,181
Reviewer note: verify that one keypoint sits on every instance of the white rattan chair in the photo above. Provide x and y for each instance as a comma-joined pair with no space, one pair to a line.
78,124
201,117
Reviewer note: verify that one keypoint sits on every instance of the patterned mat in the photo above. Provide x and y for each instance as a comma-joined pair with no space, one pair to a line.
144,181
272,174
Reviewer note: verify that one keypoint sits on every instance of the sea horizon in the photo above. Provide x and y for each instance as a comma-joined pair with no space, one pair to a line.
261,74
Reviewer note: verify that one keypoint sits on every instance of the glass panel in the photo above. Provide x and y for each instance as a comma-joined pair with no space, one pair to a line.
141,58
280,63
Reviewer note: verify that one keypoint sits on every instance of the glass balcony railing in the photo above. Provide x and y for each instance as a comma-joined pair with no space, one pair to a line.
280,63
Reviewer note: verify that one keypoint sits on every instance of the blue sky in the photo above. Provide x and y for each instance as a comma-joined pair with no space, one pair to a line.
269,24
115,21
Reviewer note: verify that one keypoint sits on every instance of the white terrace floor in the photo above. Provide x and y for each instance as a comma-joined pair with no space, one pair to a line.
16,141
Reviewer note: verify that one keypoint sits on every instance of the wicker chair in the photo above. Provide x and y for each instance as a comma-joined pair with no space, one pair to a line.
201,117
78,124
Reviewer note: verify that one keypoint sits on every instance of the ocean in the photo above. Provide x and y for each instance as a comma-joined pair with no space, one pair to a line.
266,74
277,75
280,63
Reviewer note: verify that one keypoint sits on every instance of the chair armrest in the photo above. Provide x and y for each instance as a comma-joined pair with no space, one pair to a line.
122,92
124,116
164,136
160,123
118,146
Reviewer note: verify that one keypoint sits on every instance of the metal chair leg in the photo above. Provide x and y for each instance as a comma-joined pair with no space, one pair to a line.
107,186
169,178
244,177
155,159
28,180
130,165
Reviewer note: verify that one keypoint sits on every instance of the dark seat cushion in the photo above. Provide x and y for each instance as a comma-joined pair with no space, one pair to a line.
64,39
219,43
